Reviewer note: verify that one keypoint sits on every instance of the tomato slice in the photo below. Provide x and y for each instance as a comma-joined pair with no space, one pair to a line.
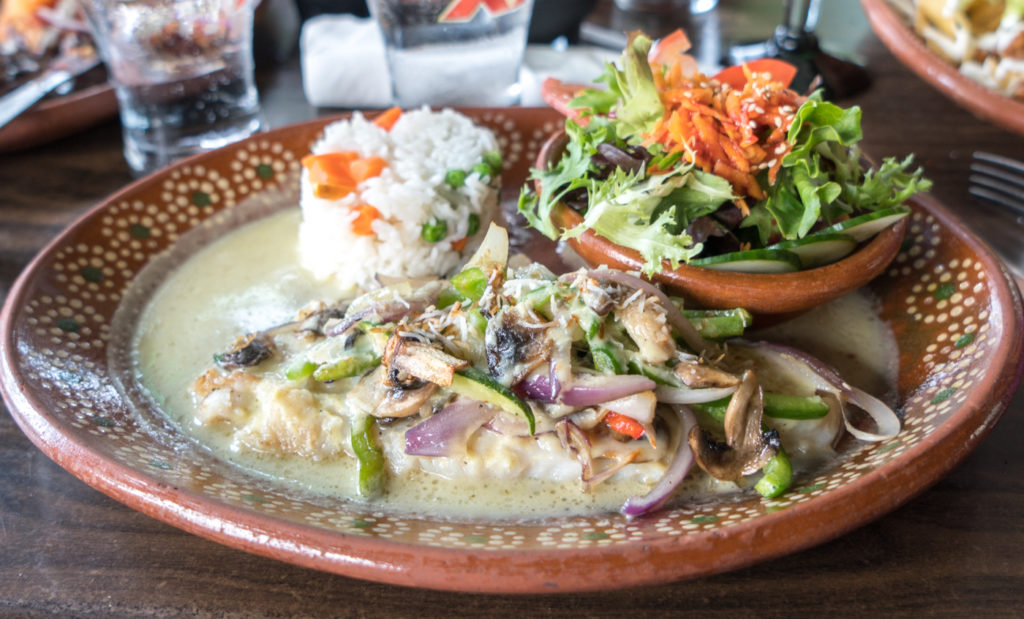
669,48
558,94
780,70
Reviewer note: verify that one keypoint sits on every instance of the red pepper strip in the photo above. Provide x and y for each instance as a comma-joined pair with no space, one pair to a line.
624,425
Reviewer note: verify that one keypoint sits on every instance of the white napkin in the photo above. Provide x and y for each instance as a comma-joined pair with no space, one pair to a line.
343,64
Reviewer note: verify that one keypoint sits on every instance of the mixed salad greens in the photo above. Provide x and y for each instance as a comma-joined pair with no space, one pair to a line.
718,172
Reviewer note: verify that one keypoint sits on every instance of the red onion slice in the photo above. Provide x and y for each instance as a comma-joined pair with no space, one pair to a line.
675,317
673,477
345,324
539,387
683,395
591,390
440,434
826,378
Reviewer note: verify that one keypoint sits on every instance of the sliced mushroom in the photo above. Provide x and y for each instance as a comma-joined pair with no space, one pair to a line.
747,448
699,376
374,396
514,348
247,351
647,325
422,361
399,403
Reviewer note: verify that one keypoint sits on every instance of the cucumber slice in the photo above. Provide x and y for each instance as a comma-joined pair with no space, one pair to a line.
752,261
868,225
474,384
815,250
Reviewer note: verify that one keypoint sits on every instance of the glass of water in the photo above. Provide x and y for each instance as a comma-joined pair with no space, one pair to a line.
182,71
446,52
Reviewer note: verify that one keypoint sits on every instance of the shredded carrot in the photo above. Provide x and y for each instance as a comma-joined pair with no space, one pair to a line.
460,244
624,425
365,216
387,119
735,128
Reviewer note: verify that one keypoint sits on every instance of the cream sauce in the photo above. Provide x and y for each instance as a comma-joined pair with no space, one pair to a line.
250,279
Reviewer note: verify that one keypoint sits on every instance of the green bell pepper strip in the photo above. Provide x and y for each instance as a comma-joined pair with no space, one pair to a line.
370,456
661,374
719,324
346,367
778,405
300,370
470,283
777,476
606,358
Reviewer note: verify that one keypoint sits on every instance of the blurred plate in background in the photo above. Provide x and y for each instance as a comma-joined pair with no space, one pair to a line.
911,50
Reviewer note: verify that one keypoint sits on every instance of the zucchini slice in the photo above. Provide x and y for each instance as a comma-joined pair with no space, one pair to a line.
752,261
477,385
868,225
815,250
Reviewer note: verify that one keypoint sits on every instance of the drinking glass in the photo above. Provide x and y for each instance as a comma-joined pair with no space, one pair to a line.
443,52
182,71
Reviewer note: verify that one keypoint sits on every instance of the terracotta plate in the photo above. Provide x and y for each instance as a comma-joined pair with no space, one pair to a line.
910,49
954,313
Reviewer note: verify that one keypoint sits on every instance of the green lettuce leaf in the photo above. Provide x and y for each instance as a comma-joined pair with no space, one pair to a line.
822,178
568,174
622,210
701,195
631,98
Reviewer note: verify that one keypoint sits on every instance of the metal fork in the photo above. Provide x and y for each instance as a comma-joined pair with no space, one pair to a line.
998,179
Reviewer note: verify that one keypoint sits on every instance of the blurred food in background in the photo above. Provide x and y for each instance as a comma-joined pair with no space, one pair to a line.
984,38
34,32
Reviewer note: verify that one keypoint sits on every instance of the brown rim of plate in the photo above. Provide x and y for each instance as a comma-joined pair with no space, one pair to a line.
912,51
763,294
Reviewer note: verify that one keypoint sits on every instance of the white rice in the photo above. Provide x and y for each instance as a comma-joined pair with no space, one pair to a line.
419,150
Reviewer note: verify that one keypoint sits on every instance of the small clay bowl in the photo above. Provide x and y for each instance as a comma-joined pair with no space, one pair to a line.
769,297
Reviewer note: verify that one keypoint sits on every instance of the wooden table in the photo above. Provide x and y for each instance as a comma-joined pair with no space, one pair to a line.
955,550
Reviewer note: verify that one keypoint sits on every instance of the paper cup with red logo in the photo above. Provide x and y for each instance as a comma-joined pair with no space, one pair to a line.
454,52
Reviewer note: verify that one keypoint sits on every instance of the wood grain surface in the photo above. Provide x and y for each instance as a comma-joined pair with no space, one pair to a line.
956,550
